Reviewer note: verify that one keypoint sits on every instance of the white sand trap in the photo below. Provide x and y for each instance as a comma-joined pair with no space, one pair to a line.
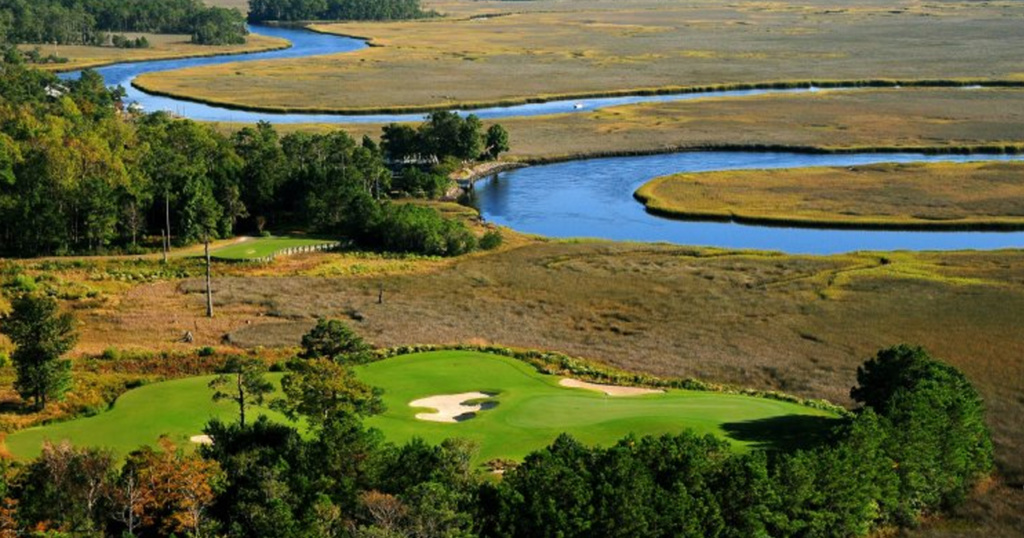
450,407
201,439
610,390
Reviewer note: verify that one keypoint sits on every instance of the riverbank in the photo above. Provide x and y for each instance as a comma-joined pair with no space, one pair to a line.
163,47
933,196
160,84
936,120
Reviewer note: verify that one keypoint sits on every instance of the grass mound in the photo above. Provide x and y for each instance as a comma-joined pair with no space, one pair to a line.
528,410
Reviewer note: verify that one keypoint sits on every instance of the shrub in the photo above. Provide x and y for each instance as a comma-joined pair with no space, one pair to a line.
491,240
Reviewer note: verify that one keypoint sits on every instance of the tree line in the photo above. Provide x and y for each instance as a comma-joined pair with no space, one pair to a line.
89,22
78,176
916,446
335,10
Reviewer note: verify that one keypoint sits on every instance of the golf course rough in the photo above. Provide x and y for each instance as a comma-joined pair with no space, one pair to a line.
525,410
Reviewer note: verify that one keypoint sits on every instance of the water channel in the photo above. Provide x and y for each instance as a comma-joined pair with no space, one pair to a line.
591,197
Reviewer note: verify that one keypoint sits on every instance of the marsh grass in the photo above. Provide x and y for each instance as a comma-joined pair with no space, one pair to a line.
163,46
951,196
596,48
936,120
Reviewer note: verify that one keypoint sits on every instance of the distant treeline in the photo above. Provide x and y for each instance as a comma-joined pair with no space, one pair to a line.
335,10
87,22
77,176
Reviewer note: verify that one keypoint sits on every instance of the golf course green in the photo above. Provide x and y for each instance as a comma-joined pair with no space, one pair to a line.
529,409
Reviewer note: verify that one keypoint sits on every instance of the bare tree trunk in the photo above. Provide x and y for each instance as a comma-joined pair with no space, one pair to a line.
167,224
163,243
209,286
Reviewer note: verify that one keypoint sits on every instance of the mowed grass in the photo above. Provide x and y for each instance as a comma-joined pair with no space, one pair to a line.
262,247
887,195
593,48
162,47
532,410
177,409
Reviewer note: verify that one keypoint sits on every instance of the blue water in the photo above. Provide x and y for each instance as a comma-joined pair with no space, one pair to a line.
594,198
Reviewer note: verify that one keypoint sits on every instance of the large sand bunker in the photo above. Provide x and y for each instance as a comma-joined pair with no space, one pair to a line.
610,390
452,407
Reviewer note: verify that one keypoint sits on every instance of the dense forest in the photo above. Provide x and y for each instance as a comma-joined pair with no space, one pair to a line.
79,176
916,447
89,22
335,10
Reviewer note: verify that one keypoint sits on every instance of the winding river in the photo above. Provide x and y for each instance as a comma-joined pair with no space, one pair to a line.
591,197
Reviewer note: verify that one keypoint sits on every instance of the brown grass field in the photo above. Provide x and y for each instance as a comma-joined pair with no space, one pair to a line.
586,48
903,196
830,120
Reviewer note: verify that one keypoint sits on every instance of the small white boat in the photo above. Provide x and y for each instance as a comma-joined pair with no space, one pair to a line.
577,106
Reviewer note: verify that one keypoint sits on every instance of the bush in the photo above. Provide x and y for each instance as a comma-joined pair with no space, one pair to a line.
206,351
421,230
491,240
22,284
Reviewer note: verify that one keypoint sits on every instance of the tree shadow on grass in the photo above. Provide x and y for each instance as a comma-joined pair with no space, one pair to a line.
785,433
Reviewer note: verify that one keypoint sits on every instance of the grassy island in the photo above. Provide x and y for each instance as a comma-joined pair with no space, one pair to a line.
896,196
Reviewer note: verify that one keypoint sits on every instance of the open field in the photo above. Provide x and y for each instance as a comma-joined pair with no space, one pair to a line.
827,120
531,410
903,196
262,247
580,48
178,409
162,46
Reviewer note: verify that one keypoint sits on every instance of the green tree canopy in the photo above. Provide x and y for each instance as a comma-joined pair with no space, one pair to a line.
41,335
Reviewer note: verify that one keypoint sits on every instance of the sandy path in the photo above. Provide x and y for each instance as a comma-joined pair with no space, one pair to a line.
449,406
610,390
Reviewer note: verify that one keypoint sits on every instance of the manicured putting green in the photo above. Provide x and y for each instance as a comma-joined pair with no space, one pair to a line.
532,409
261,247
178,409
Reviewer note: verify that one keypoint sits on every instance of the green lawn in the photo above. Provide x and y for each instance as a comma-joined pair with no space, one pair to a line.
532,409
178,409
260,247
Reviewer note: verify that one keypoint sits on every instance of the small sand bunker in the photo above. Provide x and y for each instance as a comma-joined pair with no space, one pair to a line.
610,390
452,407
201,439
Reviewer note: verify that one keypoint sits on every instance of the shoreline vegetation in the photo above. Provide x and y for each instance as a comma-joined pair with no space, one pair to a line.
79,57
149,83
886,196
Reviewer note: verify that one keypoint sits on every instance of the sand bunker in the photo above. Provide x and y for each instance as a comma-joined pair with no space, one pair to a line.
201,439
451,407
610,390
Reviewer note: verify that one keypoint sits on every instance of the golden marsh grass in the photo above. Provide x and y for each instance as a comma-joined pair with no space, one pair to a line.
598,47
914,195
